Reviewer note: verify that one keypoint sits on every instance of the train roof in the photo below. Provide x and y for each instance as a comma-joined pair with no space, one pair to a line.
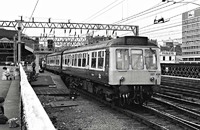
55,53
121,41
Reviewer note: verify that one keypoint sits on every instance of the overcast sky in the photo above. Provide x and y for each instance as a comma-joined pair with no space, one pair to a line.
102,11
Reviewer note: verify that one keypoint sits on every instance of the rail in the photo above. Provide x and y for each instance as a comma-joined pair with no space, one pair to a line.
34,115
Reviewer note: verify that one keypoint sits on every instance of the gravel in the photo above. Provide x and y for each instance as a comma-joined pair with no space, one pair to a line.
87,115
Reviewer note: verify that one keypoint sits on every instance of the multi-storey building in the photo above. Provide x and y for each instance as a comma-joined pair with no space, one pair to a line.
170,52
191,36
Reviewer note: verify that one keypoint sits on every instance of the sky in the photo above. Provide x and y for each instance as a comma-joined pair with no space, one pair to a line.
142,12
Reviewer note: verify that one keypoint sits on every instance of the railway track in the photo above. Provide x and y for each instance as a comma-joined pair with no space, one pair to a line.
185,104
165,119
149,116
183,115
180,90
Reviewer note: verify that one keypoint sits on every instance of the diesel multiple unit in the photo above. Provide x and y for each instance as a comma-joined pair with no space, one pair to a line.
125,70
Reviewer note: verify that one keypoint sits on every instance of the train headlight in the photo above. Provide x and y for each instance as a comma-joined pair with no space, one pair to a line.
121,80
152,79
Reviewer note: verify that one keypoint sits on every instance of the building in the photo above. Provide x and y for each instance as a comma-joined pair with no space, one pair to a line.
170,52
9,48
191,36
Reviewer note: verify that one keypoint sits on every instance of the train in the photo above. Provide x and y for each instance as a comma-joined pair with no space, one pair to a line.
125,70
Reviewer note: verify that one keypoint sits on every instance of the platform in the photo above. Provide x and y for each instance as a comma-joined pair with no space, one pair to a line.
48,83
9,89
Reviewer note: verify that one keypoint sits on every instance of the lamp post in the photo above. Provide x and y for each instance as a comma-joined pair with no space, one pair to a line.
19,39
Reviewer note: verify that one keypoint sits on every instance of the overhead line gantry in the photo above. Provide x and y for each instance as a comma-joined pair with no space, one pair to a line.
62,25
21,24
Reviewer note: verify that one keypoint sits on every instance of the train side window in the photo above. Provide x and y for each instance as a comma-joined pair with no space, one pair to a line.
122,59
69,60
84,60
79,59
137,59
75,59
57,60
54,60
100,59
88,59
93,62
66,58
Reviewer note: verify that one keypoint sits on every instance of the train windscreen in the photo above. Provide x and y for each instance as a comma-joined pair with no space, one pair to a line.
122,59
150,59
137,59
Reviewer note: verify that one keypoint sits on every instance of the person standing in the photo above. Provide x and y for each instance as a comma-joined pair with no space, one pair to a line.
1,104
6,73
33,66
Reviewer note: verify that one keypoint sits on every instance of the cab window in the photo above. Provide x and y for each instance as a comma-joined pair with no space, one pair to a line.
122,59
150,59
137,60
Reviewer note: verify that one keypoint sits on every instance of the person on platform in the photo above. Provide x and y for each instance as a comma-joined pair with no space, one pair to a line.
6,73
1,104
33,66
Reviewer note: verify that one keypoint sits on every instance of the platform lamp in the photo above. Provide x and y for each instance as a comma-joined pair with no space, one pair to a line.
19,28
15,49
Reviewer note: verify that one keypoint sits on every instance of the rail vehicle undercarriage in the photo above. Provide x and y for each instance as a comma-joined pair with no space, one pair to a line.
120,95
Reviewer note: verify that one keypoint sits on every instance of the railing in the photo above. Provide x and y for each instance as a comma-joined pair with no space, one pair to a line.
181,70
34,115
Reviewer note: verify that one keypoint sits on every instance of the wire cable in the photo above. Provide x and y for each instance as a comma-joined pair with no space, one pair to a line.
32,13
140,13
100,11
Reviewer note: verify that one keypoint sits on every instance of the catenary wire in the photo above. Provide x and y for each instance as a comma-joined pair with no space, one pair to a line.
88,19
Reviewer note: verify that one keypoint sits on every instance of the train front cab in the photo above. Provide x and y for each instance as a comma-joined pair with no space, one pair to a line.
54,63
136,71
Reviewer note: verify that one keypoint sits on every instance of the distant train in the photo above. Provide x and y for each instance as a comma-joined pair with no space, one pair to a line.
125,70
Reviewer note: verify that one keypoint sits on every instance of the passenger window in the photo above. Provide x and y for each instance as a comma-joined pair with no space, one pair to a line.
79,59
94,57
73,57
100,59
88,59
75,60
122,59
137,59
69,61
84,60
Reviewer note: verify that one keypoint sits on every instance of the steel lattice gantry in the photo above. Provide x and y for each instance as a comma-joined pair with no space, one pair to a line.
21,24
62,25
63,41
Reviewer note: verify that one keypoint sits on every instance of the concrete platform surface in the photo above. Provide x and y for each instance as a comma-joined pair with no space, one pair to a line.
59,89
9,89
